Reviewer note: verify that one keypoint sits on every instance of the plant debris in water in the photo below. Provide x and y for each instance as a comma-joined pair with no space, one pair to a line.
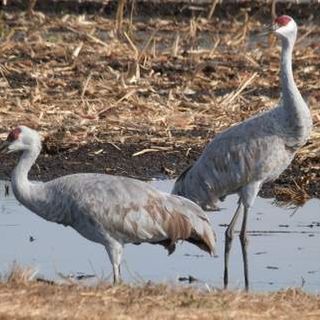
146,101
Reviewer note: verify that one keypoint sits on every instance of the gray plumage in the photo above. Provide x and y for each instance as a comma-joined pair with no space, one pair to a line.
106,209
243,157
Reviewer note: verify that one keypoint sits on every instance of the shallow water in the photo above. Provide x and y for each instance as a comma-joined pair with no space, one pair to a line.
284,248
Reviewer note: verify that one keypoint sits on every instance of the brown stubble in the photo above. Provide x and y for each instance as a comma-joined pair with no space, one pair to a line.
71,80
23,299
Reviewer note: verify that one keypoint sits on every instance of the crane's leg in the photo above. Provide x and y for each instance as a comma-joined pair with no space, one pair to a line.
244,246
228,238
115,250
248,196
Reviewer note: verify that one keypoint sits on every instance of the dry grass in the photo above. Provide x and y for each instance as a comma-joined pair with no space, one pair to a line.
76,81
22,299
162,83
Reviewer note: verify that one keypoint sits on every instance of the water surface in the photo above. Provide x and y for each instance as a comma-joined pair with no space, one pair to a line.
284,248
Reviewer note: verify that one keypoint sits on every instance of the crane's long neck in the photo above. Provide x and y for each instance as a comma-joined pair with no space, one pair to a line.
21,186
290,92
298,117
33,195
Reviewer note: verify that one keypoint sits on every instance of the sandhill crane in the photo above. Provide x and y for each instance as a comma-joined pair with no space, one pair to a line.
107,209
240,159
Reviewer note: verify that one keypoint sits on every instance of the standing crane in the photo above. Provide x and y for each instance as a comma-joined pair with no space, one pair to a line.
240,159
107,209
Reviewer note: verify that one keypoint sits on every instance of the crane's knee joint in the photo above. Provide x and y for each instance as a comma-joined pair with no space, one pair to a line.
244,239
228,235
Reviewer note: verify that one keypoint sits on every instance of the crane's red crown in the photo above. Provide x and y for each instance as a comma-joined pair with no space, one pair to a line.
282,20
14,134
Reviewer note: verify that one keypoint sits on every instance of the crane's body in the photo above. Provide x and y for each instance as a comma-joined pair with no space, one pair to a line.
103,207
243,157
258,149
109,210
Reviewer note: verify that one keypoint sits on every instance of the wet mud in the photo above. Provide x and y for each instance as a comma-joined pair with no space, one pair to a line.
121,160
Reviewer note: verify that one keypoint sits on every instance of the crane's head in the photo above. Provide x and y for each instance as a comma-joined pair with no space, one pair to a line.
284,27
20,139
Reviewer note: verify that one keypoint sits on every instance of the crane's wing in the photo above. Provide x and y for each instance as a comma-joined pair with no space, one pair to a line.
147,215
128,210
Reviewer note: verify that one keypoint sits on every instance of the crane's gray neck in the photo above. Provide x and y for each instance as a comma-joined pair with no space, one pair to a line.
290,93
298,117
21,186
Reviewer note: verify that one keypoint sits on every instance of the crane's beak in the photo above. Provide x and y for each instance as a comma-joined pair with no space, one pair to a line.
268,29
4,147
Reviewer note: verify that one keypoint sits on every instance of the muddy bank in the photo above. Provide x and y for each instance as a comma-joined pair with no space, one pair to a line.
144,161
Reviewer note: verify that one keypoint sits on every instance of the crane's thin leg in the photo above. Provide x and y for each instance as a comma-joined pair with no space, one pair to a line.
228,238
115,250
248,195
244,245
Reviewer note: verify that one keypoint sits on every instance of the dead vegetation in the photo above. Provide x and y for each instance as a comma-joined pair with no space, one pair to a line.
22,298
165,84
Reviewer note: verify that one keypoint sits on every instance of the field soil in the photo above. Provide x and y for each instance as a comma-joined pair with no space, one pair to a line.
142,96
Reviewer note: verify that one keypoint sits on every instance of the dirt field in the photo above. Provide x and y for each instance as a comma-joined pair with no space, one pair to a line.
143,101
22,299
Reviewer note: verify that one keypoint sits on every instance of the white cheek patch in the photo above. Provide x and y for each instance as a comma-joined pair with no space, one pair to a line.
284,30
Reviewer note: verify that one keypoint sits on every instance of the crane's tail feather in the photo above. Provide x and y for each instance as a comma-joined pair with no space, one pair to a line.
189,223
180,227
204,242
177,219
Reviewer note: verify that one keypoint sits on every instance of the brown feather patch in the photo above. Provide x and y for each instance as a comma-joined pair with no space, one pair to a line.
202,241
177,226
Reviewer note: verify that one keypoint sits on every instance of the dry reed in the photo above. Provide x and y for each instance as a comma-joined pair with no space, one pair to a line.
166,83
40,300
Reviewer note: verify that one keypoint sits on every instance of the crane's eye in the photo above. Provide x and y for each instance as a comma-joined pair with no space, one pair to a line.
14,134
